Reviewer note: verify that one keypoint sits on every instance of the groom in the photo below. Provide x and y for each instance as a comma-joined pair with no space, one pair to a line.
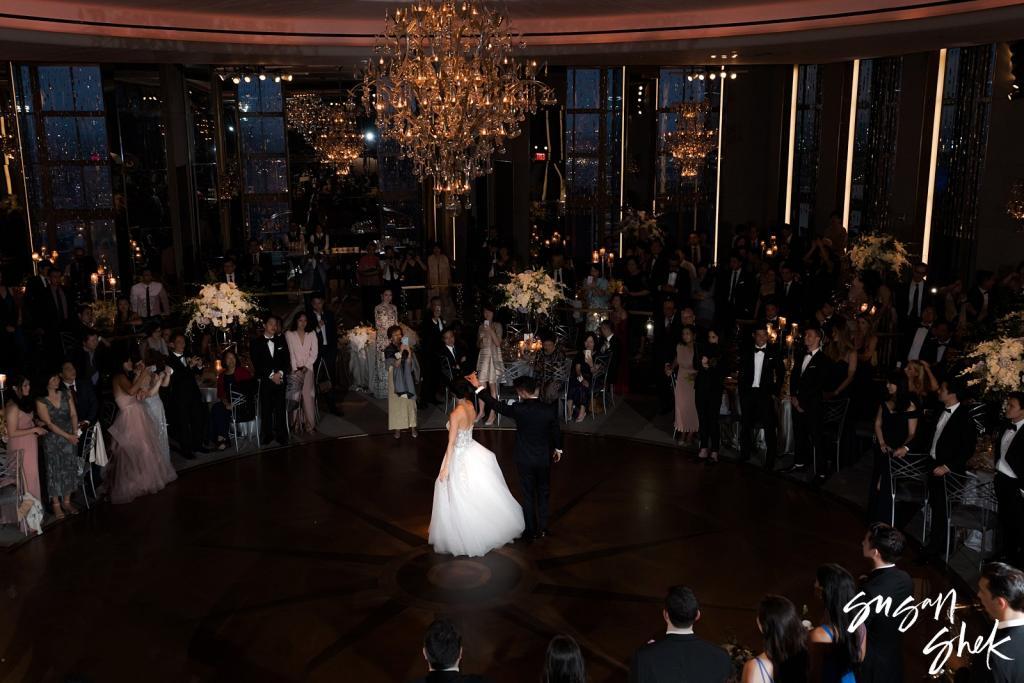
538,444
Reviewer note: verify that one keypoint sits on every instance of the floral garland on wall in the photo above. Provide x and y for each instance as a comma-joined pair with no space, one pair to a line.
533,292
220,305
879,252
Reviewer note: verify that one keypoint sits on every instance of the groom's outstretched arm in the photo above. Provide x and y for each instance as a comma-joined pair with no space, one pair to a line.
496,405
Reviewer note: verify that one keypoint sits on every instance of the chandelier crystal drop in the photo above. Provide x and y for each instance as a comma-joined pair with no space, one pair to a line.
445,85
1015,207
692,140
330,128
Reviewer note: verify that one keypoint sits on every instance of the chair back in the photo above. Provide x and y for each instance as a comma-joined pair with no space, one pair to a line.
512,372
9,467
563,372
968,490
243,400
833,415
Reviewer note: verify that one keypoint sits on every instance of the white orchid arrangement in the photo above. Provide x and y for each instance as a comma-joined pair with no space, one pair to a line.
637,225
532,291
359,338
879,252
998,365
221,305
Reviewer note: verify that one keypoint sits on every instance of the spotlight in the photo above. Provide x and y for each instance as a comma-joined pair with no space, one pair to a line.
712,76
369,136
222,76
247,79
277,79
689,77
236,80
701,77
732,76
263,77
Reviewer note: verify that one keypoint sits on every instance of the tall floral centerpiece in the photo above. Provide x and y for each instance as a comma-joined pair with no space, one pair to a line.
998,364
532,293
880,253
638,226
220,305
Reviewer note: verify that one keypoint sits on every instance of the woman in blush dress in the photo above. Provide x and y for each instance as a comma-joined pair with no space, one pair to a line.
687,422
473,511
63,468
302,349
385,315
489,365
23,435
137,467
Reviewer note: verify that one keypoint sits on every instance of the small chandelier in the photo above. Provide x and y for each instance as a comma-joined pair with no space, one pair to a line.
691,141
330,128
1015,207
446,87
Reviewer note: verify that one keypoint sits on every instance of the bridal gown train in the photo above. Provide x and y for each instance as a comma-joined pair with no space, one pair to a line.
474,512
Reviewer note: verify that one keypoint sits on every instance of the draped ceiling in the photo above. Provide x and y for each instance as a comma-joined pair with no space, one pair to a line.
340,31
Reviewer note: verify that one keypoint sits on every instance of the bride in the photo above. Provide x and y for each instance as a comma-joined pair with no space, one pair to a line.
474,512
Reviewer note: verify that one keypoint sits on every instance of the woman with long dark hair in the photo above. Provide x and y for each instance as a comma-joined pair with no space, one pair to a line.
584,367
709,386
836,653
63,468
784,659
564,662
23,435
895,427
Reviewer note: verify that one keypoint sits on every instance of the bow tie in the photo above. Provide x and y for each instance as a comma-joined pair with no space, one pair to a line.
759,350
949,410
1011,428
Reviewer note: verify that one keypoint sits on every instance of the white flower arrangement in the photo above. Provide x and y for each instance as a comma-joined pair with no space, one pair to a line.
879,252
998,365
637,225
1011,324
359,338
221,305
532,291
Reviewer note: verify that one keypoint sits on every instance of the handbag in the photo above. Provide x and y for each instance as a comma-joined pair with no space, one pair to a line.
30,509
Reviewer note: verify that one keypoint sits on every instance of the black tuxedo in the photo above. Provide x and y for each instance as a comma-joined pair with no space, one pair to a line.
272,395
955,446
450,677
791,304
87,367
538,435
1002,670
680,657
757,404
656,270
183,403
87,405
930,352
457,364
1008,492
883,661
681,295
910,312
738,303
808,386
907,341
239,278
666,336
430,346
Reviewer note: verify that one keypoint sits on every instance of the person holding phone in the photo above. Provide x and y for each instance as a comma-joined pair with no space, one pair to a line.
489,364
582,374
403,373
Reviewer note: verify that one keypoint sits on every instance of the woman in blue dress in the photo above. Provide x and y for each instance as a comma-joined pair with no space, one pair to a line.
835,653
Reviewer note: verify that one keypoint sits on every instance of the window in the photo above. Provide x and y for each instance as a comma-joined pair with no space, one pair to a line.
805,150
264,161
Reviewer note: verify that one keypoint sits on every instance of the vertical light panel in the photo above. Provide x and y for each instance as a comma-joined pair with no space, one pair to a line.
622,147
854,82
940,83
788,218
21,152
718,166
657,122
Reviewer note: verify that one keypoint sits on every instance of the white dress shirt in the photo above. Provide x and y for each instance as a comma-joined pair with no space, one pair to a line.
943,419
672,630
154,292
1010,623
758,365
271,346
1007,439
229,278
807,360
915,346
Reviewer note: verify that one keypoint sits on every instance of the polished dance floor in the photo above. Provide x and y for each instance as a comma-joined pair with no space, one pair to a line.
311,563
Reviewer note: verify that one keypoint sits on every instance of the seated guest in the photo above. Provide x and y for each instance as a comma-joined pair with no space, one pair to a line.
229,273
564,662
680,655
547,368
883,659
1001,592
835,653
231,374
442,648
183,402
403,372
271,362
952,445
940,350
1009,480
784,659
454,355
916,336
579,382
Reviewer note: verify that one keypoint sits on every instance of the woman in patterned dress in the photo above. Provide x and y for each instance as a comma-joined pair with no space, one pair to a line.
385,316
489,365
57,412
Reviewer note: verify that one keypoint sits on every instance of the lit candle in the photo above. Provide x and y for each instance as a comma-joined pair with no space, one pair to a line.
863,307
216,365
593,257
602,251
782,320
94,279
113,282
3,381
54,255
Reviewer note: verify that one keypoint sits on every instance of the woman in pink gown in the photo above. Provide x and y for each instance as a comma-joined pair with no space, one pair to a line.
24,436
138,467
687,423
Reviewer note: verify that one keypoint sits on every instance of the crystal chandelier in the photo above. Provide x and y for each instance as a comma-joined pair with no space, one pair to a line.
330,128
691,141
446,87
1015,207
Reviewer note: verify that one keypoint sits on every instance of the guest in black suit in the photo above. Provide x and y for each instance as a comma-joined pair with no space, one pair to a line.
883,660
681,655
1009,451
735,291
87,406
807,387
538,444
430,347
272,364
979,298
323,323
708,388
952,445
657,266
761,373
442,648
790,295
940,351
913,297
86,358
1001,592
564,277
608,355
667,329
675,282
563,662
454,355
183,402
915,336
229,273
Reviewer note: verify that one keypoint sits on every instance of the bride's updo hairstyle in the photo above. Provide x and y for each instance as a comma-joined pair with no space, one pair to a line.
461,388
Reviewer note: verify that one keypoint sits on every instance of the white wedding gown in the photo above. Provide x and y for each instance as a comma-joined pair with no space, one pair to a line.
474,512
